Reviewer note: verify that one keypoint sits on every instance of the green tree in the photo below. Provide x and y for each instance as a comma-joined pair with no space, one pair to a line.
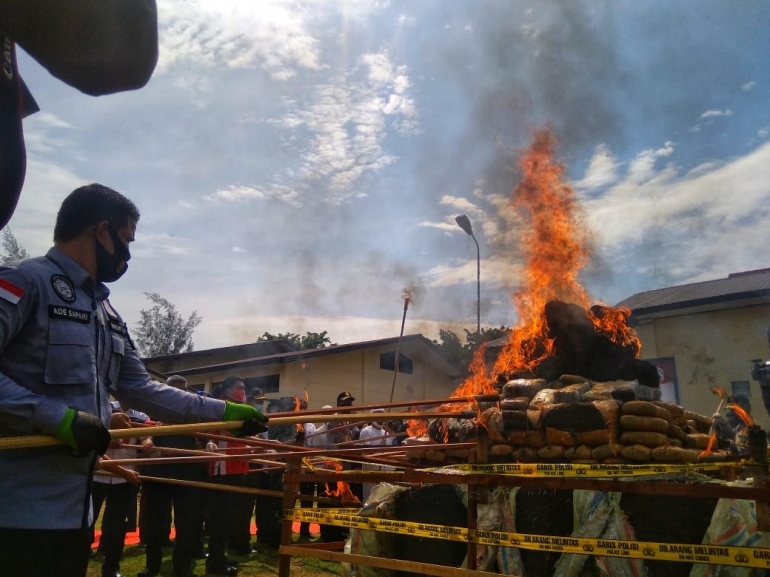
13,251
162,329
461,353
309,341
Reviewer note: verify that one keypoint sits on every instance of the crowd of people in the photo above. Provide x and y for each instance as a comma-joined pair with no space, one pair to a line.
69,369
223,518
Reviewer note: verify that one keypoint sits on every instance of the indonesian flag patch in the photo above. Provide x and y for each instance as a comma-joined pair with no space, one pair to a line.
10,291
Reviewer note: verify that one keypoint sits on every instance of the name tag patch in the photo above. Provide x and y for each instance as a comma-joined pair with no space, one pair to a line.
118,328
69,314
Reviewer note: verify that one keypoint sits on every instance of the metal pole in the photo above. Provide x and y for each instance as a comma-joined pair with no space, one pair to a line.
398,350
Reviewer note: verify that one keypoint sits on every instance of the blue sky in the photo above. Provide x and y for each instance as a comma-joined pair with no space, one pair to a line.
298,164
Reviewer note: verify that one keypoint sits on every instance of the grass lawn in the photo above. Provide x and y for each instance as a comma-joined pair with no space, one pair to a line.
263,562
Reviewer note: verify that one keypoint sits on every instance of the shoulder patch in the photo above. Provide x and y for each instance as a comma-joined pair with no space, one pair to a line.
10,291
63,288
111,312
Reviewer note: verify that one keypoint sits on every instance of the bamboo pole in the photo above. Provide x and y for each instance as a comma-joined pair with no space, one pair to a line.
490,398
34,441
246,490
189,459
359,453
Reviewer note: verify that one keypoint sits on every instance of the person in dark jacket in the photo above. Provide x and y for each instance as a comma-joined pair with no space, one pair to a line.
160,499
64,350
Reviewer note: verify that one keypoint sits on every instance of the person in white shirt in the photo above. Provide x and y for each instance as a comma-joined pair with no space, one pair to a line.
115,493
377,433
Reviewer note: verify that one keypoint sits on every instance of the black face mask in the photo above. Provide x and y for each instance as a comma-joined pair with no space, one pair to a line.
108,265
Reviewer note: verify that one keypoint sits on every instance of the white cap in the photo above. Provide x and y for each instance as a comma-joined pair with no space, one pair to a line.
327,407
378,410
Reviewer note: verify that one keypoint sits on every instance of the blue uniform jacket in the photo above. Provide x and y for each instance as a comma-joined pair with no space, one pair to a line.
63,345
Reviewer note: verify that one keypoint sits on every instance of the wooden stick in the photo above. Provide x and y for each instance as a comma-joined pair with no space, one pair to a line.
360,441
413,567
492,398
192,456
33,441
246,490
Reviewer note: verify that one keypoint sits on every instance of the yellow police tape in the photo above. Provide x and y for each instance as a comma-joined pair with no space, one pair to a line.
592,470
708,554
577,470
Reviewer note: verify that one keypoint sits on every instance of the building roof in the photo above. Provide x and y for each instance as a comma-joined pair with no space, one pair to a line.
742,288
256,349
408,342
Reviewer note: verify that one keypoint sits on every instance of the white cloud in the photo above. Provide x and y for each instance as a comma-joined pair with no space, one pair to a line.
602,169
348,122
160,244
748,86
238,249
270,34
496,272
763,132
711,214
712,113
233,193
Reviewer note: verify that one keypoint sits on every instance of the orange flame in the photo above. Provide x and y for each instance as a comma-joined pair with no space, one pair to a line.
613,323
297,408
416,427
556,246
342,491
721,392
744,416
707,451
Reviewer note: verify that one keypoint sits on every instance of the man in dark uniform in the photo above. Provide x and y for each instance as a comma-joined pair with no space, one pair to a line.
63,350
159,499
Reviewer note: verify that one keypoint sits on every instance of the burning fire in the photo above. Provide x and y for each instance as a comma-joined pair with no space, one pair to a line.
297,408
556,246
613,322
416,427
742,414
342,491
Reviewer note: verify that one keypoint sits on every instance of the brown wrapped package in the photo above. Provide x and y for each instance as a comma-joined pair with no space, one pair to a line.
501,450
551,452
674,455
697,441
645,409
525,455
638,453
532,439
581,452
603,452
644,438
702,423
639,423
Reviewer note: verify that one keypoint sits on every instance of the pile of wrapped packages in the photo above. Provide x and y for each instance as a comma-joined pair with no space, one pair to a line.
577,420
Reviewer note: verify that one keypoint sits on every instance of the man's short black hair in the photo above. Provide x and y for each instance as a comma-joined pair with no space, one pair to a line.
89,205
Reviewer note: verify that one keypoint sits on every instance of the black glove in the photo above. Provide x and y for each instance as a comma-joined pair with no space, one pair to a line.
251,427
83,432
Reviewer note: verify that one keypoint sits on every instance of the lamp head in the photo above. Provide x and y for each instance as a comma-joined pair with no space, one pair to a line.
464,223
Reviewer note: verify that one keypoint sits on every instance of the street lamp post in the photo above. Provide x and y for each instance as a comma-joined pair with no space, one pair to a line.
465,223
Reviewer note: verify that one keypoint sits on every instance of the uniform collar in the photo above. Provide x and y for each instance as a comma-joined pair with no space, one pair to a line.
77,274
